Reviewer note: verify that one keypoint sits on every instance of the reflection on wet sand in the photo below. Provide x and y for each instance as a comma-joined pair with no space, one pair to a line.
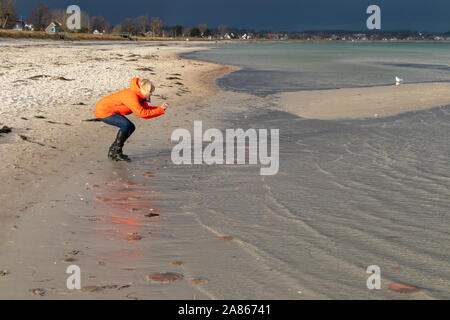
126,211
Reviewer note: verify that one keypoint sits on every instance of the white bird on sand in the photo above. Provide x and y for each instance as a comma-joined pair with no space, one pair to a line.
398,81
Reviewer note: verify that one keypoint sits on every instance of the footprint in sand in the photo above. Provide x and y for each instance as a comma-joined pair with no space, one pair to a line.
198,281
91,289
148,174
4,272
152,215
225,238
98,288
38,292
133,236
402,288
134,198
165,277
102,199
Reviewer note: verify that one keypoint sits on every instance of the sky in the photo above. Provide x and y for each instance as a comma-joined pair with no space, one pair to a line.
280,15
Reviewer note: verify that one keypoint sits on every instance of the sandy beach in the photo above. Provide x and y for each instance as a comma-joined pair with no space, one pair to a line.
354,103
152,230
49,90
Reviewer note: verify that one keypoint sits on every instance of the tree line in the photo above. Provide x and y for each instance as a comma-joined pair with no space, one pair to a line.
8,14
42,15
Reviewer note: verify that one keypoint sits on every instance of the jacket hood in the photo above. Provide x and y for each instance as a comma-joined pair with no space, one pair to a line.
134,86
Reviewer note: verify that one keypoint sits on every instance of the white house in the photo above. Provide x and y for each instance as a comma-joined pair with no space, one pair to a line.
53,28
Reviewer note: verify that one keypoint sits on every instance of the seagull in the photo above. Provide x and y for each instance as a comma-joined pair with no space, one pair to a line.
398,81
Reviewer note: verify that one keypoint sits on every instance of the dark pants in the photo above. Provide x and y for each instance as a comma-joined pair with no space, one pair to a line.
117,120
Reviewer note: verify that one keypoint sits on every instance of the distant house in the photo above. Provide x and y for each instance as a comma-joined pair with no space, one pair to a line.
28,27
53,28
247,36
277,36
150,34
360,36
18,27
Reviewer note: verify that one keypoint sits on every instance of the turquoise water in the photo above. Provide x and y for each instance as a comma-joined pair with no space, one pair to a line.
278,67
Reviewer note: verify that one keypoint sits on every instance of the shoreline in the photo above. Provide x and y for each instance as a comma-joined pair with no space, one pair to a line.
57,136
41,35
126,223
382,100
315,109
356,103
72,205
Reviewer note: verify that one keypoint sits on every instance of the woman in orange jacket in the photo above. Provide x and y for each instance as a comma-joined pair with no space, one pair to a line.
113,108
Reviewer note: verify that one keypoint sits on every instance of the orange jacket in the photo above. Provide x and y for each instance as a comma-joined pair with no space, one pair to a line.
125,102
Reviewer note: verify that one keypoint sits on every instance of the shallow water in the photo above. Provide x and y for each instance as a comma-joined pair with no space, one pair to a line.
278,67
349,194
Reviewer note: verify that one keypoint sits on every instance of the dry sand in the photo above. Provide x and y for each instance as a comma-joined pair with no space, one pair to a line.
352,103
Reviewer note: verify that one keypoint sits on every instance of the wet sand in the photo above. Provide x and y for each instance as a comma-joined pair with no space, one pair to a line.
53,157
354,103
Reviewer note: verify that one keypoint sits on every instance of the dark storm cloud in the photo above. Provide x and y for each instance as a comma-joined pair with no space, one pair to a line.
269,14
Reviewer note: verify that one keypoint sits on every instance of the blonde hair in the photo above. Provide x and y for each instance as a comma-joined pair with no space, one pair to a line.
146,87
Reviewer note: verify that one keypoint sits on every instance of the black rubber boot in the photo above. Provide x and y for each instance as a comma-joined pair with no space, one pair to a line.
115,151
111,150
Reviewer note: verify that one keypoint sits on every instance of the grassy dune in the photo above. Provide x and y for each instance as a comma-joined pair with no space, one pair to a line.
82,36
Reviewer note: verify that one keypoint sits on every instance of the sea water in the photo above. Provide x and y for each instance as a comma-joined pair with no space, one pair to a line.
279,67
349,193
